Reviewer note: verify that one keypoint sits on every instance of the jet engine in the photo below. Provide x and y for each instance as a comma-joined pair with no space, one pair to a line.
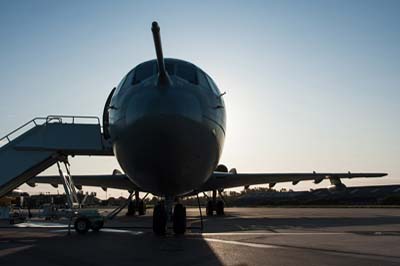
221,168
337,188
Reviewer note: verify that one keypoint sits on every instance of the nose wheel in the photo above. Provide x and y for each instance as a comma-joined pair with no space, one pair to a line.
179,219
163,213
160,218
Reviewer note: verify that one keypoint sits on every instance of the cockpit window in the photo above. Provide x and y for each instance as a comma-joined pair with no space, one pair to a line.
187,72
143,72
202,79
184,70
120,85
213,86
170,67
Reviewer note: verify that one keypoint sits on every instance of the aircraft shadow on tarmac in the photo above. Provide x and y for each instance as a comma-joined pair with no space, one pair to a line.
49,246
232,223
22,247
237,223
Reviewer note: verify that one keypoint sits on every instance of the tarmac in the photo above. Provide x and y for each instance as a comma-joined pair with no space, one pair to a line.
244,236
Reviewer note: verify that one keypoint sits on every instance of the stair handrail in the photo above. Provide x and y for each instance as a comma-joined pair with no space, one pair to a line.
20,127
73,117
47,120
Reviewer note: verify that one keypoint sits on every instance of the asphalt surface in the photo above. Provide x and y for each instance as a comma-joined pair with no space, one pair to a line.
245,236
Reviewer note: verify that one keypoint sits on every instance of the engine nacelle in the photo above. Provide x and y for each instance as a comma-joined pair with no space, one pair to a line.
117,172
337,188
221,168
31,184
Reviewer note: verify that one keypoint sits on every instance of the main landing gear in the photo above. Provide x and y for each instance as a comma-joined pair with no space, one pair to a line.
163,213
215,205
137,206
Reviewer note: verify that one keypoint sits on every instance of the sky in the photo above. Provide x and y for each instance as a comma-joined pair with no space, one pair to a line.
311,85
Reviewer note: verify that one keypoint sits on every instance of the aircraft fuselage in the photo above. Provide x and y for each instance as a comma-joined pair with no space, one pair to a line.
167,138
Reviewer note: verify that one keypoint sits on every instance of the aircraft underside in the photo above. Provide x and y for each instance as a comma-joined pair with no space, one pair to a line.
169,155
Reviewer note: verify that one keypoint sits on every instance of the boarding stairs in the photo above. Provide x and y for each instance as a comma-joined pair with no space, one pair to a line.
44,141
69,186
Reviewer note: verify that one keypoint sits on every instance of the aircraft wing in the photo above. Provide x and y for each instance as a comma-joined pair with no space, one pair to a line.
217,181
222,180
118,181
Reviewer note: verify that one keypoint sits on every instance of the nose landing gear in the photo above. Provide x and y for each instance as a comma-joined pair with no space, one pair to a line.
163,213
160,218
179,219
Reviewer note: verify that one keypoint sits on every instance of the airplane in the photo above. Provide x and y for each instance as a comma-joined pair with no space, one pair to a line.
166,124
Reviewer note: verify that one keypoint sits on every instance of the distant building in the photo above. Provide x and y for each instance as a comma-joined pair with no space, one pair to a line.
370,195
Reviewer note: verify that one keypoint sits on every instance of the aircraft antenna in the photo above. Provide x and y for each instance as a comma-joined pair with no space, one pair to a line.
162,74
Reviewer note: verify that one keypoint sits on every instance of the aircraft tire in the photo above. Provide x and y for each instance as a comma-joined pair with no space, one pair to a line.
220,208
82,225
131,208
179,219
159,219
209,208
142,208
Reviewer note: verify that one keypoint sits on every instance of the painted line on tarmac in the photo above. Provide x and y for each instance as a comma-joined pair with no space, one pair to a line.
40,224
238,243
9,251
110,230
271,233
105,230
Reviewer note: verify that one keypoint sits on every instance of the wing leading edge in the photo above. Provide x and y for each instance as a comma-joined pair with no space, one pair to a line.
217,181
118,181
222,180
